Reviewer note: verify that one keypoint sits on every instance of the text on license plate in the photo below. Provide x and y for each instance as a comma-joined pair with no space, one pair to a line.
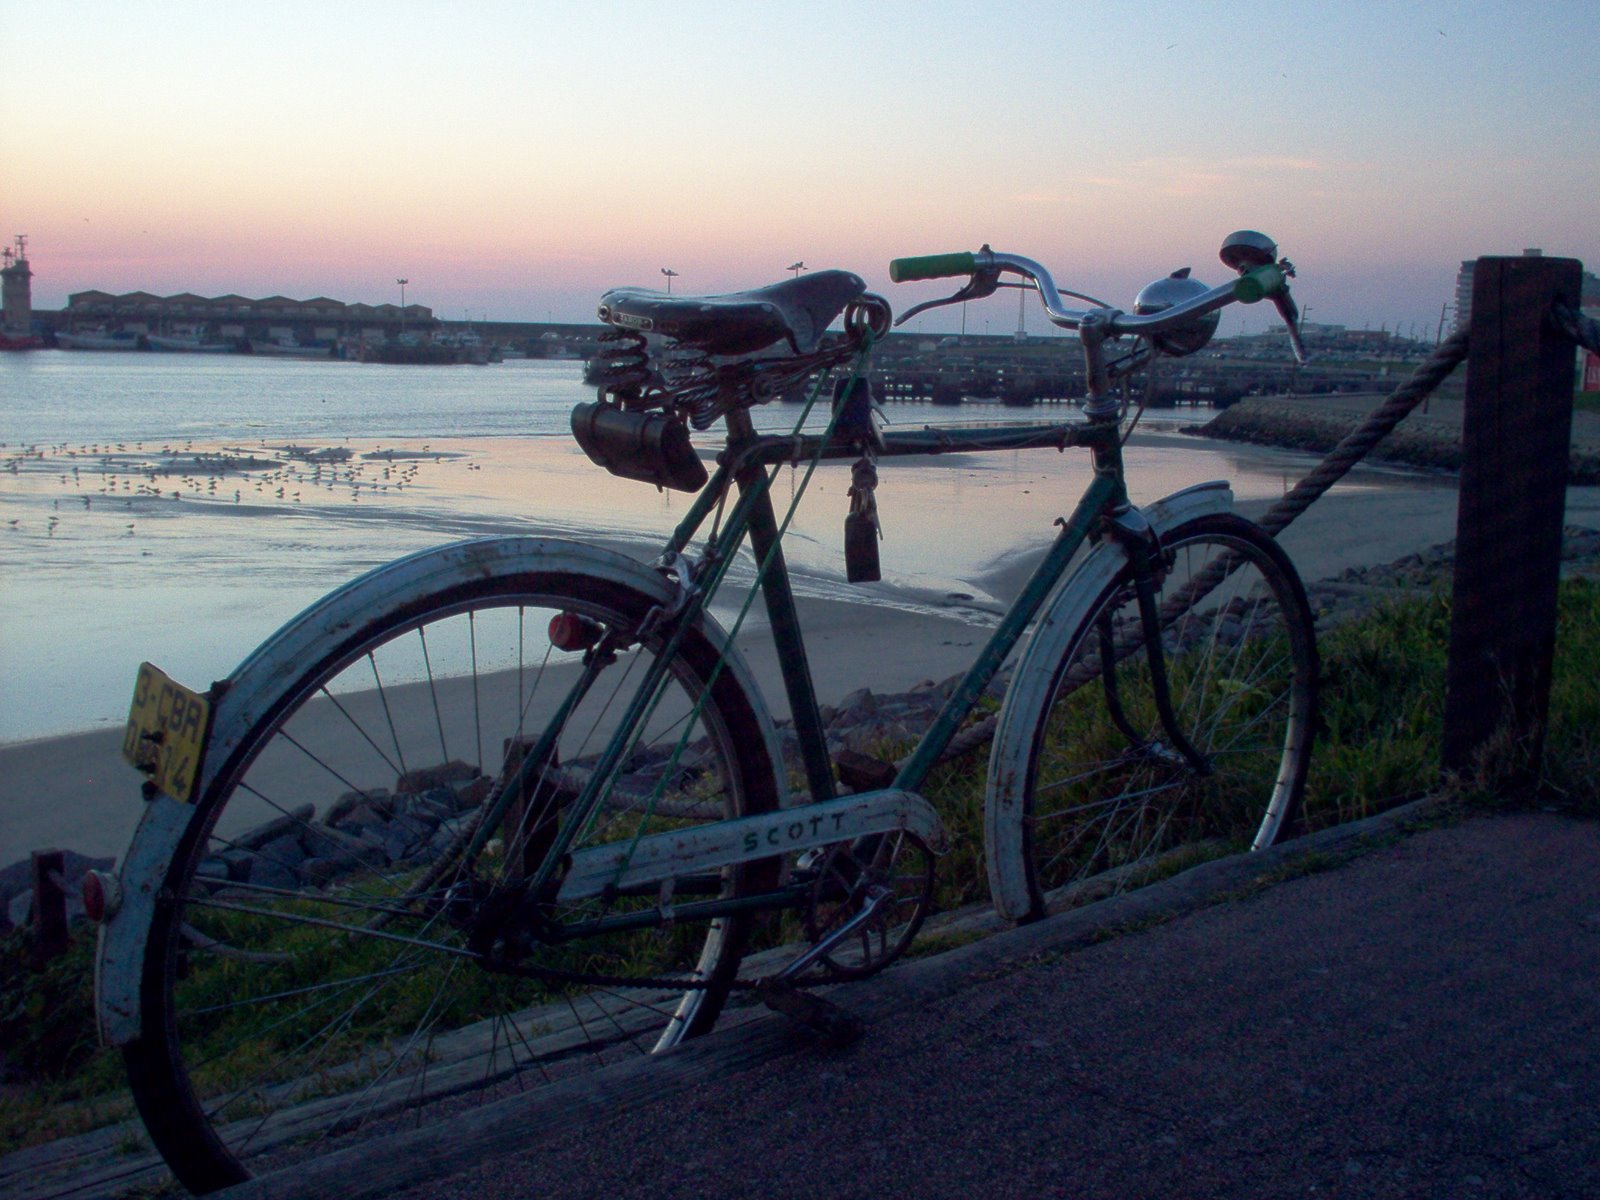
166,732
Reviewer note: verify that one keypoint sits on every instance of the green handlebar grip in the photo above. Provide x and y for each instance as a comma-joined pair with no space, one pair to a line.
932,266
1260,283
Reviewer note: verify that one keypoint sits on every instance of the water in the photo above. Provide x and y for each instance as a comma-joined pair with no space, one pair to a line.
121,545
88,398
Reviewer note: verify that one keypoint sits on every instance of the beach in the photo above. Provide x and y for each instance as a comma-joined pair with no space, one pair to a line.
949,571
128,571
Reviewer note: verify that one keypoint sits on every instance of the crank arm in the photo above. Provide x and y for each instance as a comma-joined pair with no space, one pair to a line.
877,896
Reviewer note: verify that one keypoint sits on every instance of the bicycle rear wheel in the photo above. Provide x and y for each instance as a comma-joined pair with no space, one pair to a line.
1110,801
312,967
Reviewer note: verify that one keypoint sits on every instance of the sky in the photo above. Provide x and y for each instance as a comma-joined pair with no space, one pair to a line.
514,160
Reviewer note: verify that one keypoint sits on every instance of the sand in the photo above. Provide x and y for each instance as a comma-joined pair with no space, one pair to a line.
76,792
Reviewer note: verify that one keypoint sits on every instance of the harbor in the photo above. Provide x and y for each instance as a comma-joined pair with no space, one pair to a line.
1016,369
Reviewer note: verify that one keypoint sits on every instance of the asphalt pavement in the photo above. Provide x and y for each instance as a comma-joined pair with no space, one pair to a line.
1404,1013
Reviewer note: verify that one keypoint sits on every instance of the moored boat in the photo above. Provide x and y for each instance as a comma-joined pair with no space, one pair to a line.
288,347
189,344
100,339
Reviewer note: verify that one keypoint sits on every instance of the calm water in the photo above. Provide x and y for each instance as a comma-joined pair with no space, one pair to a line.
88,398
121,546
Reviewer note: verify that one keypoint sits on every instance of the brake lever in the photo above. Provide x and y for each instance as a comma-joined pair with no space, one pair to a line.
1290,312
984,282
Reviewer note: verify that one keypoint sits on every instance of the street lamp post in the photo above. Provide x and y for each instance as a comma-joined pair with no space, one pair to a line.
402,283
671,275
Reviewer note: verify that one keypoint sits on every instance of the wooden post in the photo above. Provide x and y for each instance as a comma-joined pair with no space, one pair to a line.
1515,443
49,906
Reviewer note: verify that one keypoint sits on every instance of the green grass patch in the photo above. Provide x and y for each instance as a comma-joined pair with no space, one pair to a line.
1382,710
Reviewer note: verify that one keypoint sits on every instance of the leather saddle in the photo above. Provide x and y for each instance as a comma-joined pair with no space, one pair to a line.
797,311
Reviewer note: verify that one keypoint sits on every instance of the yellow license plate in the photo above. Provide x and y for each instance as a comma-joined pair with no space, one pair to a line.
166,732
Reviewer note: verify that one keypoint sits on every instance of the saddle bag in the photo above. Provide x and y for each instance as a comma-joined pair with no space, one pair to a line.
648,446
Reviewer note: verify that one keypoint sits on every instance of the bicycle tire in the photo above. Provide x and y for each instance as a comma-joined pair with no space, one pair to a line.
1108,806
264,1034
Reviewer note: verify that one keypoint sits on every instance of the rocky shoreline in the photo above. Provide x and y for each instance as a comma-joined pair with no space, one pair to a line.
1421,440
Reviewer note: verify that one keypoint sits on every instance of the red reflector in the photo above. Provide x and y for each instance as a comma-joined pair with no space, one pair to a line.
94,897
569,631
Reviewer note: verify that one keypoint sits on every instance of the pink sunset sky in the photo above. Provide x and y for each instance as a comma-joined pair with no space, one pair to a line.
512,160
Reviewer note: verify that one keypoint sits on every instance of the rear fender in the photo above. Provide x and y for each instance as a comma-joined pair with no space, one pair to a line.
247,696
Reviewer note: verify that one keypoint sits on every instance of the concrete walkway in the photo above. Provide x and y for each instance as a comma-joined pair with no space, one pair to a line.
1413,1016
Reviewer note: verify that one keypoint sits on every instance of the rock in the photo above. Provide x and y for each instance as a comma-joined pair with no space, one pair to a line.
274,829
322,842
366,817
340,810
471,794
397,843
417,829
238,863
267,872
861,698
443,775
435,805
277,864
214,870
16,879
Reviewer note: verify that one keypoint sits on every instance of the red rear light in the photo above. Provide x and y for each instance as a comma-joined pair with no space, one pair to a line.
102,895
569,631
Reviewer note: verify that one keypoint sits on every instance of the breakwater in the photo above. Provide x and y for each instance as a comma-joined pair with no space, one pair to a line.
1309,423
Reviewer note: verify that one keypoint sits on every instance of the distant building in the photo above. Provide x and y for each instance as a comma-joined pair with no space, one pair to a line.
1590,289
143,312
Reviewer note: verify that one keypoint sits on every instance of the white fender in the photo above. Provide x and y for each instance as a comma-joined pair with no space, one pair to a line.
1030,691
249,693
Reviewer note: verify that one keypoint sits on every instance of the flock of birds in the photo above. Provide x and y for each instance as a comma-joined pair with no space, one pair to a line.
123,473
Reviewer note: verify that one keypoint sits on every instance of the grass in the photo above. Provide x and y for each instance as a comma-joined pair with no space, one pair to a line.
1586,401
1382,705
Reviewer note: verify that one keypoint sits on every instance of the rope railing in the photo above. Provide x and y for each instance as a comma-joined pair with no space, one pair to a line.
1355,446
1585,331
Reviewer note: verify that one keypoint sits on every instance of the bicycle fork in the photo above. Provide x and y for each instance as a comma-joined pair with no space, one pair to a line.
1143,557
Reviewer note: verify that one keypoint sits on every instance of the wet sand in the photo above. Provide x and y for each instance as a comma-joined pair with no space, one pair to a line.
75,790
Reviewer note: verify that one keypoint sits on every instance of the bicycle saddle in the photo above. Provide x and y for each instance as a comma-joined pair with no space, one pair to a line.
797,310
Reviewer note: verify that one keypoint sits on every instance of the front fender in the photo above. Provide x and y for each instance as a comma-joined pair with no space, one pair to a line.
1029,692
256,686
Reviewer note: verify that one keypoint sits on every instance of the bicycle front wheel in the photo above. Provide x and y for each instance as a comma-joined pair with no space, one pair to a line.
1111,799
318,961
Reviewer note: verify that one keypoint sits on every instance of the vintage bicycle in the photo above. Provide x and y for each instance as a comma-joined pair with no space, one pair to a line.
502,810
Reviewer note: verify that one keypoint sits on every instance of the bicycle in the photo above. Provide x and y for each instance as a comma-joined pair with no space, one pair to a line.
513,805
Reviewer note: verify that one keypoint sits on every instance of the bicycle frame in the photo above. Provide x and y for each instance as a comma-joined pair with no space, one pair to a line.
743,468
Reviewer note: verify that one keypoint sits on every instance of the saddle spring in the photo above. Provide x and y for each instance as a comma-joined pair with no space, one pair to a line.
623,372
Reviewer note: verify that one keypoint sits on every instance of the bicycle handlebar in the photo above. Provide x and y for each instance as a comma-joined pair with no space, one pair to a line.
1260,278
932,266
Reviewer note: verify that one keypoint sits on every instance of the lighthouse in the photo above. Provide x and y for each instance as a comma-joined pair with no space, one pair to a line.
16,295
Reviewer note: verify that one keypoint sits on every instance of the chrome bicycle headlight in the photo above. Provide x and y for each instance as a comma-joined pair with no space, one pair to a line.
1163,294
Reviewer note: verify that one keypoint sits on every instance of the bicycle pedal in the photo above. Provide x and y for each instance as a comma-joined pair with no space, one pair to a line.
823,1017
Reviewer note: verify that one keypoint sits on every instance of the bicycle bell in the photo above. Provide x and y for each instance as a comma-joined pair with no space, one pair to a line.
1163,294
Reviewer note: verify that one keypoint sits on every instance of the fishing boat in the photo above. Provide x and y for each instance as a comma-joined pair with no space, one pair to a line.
288,347
188,343
101,339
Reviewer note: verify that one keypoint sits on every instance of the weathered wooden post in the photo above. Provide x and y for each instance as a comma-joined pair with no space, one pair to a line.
49,906
1516,436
